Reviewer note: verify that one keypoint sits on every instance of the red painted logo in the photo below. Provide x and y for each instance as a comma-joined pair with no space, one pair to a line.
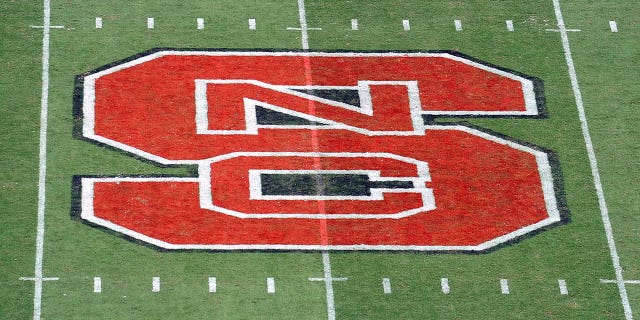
315,151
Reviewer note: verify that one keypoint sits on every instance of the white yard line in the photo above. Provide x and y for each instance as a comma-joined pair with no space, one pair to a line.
604,212
304,28
42,171
326,261
613,26
328,283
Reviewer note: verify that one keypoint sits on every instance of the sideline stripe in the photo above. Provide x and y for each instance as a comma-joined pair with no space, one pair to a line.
151,23
354,24
200,23
444,284
252,24
504,286
563,287
613,25
386,285
604,211
458,25
42,164
98,22
509,25
97,285
213,285
271,285
155,284
406,25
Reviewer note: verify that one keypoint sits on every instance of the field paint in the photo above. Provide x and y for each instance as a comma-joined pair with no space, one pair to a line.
252,24
616,281
595,172
151,23
444,284
155,284
406,25
386,285
566,30
271,285
304,33
326,261
458,25
328,283
213,284
504,286
97,285
563,287
200,23
50,27
38,278
34,279
354,24
613,25
98,22
509,25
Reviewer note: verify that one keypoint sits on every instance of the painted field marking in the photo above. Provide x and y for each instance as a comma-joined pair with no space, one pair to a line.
458,25
616,281
406,25
563,287
595,172
328,283
613,25
354,24
386,285
504,286
565,30
509,25
155,284
200,23
213,285
444,284
326,261
38,278
98,22
252,24
50,27
271,285
97,285
151,23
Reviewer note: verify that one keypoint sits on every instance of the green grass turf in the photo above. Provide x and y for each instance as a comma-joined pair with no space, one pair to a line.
76,253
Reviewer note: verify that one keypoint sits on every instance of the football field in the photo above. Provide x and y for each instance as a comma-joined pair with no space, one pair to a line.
316,159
